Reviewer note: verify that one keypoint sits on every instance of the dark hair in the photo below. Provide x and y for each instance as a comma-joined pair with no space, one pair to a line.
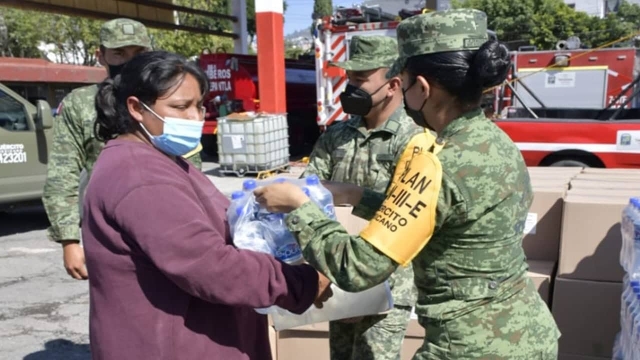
464,74
148,76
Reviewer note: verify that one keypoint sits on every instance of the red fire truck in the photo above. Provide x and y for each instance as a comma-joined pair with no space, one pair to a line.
562,108
233,82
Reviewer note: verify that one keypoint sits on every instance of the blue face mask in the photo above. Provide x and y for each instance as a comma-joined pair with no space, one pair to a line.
179,136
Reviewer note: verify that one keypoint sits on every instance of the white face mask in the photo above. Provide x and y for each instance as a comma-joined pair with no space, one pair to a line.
179,136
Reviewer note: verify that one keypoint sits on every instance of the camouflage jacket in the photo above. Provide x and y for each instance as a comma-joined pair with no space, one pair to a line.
350,153
74,148
476,250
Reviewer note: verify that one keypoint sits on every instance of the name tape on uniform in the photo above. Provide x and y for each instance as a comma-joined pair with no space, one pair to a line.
406,220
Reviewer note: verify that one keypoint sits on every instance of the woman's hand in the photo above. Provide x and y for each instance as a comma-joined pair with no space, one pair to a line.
344,194
280,197
324,291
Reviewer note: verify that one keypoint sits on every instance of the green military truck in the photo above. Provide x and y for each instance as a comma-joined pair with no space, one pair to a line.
25,139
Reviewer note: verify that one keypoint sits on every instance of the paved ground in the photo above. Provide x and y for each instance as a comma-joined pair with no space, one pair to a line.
43,312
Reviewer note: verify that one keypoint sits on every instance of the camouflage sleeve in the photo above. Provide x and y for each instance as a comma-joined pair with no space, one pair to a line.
348,261
320,159
194,157
66,159
449,201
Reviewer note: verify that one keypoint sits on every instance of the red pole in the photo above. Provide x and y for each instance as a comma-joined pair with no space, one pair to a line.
271,70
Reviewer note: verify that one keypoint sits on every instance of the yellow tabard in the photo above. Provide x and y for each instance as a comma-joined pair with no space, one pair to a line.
406,220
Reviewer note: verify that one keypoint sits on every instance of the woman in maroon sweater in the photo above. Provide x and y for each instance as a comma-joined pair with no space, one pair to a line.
165,281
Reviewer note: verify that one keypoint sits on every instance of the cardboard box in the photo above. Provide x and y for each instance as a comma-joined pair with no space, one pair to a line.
603,184
351,223
608,176
541,272
310,342
542,232
550,184
588,315
553,173
313,342
273,342
413,340
625,193
555,169
591,238
611,171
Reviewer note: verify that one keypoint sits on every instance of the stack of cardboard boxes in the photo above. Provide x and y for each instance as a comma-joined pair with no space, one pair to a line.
584,215
572,243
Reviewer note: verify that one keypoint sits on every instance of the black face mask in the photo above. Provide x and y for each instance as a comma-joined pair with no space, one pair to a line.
115,70
356,101
415,115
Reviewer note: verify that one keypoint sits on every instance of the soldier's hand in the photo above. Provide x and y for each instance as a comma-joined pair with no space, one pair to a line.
324,291
281,197
74,263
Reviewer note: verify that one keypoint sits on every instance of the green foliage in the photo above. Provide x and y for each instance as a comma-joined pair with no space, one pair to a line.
23,35
544,22
251,17
293,52
321,8
76,39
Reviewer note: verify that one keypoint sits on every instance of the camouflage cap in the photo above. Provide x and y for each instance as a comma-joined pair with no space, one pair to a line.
123,32
369,53
439,31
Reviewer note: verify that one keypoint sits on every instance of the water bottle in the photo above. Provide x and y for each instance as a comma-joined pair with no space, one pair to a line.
235,210
626,226
320,196
286,246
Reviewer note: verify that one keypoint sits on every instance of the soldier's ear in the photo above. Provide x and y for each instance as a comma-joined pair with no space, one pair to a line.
100,57
424,86
395,85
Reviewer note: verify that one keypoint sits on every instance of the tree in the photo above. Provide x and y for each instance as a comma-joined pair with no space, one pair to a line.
614,27
66,39
321,8
190,44
251,17
75,39
545,22
511,20
23,33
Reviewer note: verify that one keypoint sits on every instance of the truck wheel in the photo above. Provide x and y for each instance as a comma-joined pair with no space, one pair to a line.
570,163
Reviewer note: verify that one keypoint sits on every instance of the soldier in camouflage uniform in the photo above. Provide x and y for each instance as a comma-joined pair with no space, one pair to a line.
363,151
456,207
74,148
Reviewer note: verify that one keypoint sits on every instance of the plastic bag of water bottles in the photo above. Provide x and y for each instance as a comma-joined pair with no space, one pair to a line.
627,342
254,228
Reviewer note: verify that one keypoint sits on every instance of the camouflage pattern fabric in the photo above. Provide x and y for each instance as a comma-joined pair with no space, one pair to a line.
74,149
453,30
369,53
123,32
348,152
474,298
377,337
